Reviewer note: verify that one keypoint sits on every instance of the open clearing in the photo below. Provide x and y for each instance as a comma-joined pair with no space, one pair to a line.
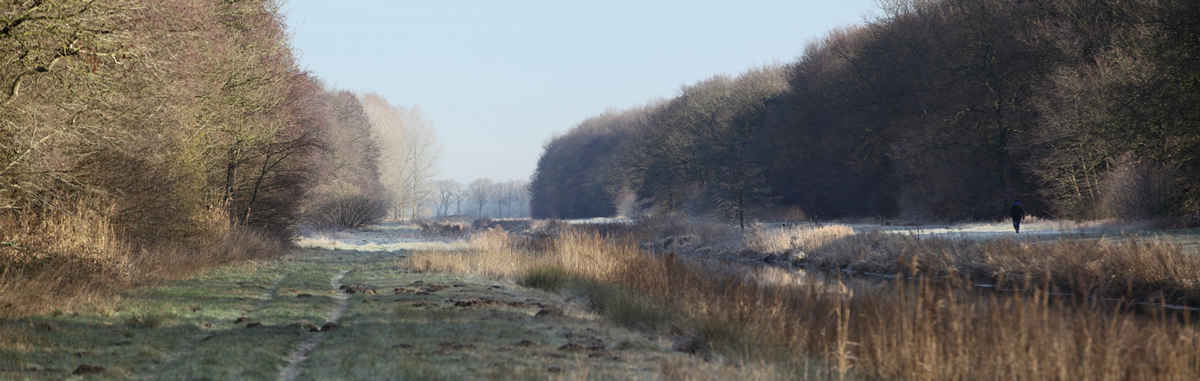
330,314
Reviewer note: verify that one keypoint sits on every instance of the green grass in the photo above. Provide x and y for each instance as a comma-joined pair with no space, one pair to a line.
547,278
620,305
186,329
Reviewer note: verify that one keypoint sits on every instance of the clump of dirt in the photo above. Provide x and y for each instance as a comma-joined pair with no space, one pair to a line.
594,347
573,348
355,289
420,289
481,302
324,327
446,346
549,311
88,369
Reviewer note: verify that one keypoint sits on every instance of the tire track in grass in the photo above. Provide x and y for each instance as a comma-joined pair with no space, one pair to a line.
298,355
188,344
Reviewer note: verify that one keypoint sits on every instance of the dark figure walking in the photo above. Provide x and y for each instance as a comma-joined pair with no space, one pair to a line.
1018,214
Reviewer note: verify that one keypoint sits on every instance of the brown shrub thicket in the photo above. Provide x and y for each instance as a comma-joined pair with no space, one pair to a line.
132,129
1135,190
347,210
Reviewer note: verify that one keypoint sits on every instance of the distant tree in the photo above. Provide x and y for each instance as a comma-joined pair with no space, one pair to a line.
578,171
425,157
411,153
521,196
479,192
458,200
510,193
741,191
448,191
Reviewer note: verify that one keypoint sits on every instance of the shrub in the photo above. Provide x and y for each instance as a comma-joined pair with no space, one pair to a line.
1135,190
442,229
349,211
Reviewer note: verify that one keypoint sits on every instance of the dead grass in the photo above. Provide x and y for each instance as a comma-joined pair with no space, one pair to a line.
914,330
1133,268
71,259
1090,226
793,240
499,254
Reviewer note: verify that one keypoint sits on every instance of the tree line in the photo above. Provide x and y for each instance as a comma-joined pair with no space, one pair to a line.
478,195
943,109
180,120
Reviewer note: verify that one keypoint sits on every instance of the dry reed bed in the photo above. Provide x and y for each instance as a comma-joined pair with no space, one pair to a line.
1138,269
1134,269
71,259
914,331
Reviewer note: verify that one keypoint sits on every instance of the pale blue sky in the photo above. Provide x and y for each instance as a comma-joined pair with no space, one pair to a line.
497,78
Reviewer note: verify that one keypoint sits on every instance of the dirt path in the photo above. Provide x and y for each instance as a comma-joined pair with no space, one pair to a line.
324,314
301,352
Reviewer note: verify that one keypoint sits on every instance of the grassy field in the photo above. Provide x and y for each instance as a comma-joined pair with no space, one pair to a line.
645,300
264,321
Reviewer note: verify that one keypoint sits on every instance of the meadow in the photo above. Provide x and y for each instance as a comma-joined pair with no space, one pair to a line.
656,298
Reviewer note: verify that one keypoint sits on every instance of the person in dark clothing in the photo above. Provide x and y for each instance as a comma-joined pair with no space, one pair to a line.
1018,214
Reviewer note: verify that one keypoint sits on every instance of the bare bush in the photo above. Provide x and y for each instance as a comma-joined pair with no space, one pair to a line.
1135,189
349,211
443,229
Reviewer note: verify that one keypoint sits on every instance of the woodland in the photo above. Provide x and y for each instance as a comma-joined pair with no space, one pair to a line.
934,110
145,139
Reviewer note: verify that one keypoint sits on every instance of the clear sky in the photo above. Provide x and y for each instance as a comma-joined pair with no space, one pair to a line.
498,78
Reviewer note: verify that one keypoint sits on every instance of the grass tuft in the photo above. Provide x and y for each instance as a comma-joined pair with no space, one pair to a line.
546,278
622,305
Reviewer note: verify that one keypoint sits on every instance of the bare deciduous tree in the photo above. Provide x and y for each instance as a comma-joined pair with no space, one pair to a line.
448,191
521,189
479,192
411,153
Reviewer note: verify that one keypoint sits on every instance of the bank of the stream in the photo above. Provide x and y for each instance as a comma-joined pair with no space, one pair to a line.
933,327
